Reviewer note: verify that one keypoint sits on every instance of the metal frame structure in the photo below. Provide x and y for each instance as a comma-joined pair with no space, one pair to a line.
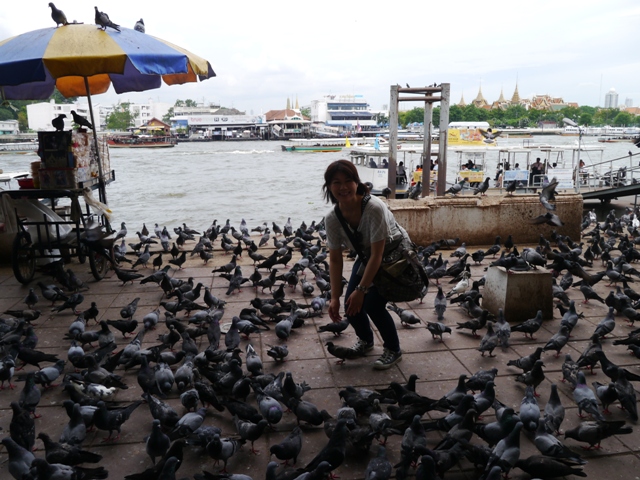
428,95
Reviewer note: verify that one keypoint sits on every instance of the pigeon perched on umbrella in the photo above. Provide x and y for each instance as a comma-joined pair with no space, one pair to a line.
103,20
58,15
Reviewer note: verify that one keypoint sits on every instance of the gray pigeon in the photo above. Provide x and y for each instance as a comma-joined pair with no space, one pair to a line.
157,443
20,458
379,467
530,326
289,448
75,431
489,342
586,399
553,411
529,411
139,26
56,471
440,304
594,432
507,452
548,193
60,18
102,19
552,447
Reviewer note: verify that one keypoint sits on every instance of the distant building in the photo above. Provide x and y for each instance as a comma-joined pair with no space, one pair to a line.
9,127
144,112
214,123
611,99
479,101
346,113
628,102
287,123
39,115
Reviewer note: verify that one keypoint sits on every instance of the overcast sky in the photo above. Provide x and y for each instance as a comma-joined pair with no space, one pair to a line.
266,51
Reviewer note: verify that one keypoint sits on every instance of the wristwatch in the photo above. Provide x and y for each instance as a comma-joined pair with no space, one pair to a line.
362,288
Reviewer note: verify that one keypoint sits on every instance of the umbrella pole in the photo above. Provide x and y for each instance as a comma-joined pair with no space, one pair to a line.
101,185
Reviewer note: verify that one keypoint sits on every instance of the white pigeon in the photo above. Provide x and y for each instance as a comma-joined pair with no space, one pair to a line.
462,286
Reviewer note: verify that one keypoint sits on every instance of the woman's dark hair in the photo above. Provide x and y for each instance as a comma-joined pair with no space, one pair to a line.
349,170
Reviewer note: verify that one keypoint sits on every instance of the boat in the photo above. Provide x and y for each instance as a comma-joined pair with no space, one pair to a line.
617,139
18,147
311,148
141,141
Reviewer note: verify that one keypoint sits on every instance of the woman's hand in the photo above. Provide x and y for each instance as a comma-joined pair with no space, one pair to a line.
334,310
353,304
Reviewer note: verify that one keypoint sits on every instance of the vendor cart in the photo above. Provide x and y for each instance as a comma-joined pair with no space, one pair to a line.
48,232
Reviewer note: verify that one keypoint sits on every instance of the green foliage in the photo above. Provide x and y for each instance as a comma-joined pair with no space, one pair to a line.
121,118
6,114
190,103
623,119
167,117
179,103
59,98
586,119
306,112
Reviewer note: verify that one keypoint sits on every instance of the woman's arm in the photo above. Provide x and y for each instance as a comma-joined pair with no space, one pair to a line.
353,304
335,278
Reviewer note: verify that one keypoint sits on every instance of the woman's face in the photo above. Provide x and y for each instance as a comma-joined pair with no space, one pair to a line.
343,188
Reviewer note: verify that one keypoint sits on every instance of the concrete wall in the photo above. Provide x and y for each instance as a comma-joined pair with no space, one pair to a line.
477,221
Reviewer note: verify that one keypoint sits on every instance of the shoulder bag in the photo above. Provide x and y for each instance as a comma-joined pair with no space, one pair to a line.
401,277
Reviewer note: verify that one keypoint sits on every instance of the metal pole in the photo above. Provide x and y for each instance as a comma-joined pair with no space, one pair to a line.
426,149
102,191
443,142
393,140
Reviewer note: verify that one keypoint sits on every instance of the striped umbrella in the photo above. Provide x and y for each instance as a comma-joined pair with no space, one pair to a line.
75,55
81,60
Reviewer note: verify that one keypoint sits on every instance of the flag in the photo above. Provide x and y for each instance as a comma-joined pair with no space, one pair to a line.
376,144
358,127
347,144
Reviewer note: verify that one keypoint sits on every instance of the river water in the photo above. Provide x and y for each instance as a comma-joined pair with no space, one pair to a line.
195,183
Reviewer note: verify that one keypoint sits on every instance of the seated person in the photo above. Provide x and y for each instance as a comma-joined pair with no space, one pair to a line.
385,164
372,163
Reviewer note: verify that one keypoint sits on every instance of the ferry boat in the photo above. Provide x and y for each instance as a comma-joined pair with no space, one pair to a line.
141,141
311,148
18,147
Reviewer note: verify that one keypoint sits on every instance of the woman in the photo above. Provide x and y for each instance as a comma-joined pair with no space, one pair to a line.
374,225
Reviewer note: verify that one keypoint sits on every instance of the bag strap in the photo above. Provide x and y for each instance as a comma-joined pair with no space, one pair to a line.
347,230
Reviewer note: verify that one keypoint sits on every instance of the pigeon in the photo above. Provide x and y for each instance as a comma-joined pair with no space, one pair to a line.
548,193
66,454
188,424
110,420
223,449
507,451
456,188
278,352
30,395
334,451
407,317
511,187
58,16
58,122
526,363
20,458
593,432
102,19
139,26
541,466
534,377
289,448
586,399
250,431
22,427
529,326
57,471
489,342
606,325
438,329
529,411
335,327
550,446
548,218
80,120
482,188
379,467
553,411
558,340
342,353
157,443
75,432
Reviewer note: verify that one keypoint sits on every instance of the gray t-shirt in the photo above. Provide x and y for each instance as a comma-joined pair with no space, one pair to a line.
377,223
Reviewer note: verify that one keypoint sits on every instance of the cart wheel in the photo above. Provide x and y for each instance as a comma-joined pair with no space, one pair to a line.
99,265
82,253
24,259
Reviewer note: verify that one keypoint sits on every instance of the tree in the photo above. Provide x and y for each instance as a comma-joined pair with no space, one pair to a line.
121,118
59,98
179,103
166,118
585,119
190,103
305,112
623,119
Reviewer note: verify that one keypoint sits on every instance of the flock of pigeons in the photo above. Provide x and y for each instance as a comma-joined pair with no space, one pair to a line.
201,375
101,19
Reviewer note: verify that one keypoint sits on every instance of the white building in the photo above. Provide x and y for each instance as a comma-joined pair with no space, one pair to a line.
611,99
143,112
9,127
346,112
41,114
628,102
219,126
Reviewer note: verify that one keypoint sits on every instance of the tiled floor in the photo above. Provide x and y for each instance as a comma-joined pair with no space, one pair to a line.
437,365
